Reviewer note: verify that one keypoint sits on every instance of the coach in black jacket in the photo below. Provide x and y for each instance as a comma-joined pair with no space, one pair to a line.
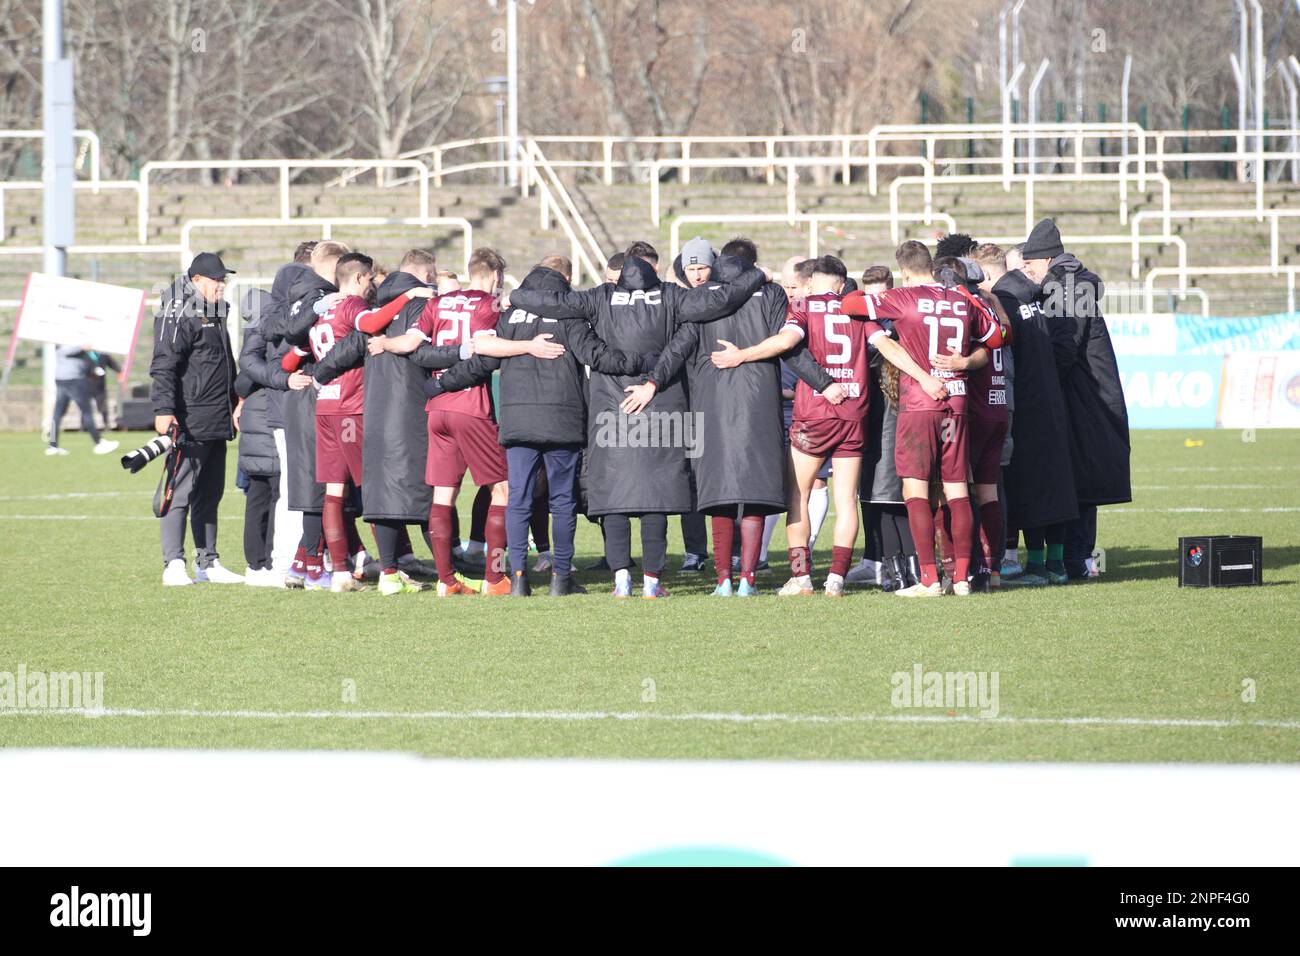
193,372
638,463
543,420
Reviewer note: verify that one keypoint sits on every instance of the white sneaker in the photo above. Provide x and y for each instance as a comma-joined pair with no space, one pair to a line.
865,571
175,575
216,574
253,577
272,578
800,586
545,562
104,446
55,450
919,590
343,581
834,586
961,588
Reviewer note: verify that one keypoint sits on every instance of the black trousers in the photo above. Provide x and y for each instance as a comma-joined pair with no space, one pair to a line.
1080,541
67,391
654,542
259,519
695,535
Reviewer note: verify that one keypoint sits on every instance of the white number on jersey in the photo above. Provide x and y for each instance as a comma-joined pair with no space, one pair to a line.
322,339
834,322
953,343
458,333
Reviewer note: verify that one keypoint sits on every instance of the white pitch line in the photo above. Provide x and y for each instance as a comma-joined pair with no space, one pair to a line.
1193,511
4,517
563,716
77,494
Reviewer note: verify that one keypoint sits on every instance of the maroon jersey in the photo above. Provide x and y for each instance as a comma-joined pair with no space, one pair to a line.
839,345
931,320
454,319
345,395
988,390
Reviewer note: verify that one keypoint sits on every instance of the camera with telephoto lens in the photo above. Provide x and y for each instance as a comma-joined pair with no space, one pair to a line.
136,460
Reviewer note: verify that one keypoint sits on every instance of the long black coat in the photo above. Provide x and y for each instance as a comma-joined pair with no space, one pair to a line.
638,464
256,384
1099,440
299,408
543,401
1040,478
396,427
742,458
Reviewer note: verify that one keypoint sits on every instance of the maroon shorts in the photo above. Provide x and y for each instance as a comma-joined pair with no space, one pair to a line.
927,442
828,437
460,443
986,440
338,449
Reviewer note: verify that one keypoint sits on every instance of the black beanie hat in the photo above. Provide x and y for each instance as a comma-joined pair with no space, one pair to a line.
1044,241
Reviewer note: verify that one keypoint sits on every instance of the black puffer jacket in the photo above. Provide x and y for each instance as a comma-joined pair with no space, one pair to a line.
257,453
193,369
1094,398
1040,478
543,401
638,464
273,326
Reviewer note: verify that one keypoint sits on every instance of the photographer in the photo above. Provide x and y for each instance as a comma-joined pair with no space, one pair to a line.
193,374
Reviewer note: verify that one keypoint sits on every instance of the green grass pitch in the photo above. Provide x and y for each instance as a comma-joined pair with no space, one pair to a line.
692,676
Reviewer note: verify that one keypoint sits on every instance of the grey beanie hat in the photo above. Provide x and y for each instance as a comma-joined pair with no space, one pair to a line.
697,252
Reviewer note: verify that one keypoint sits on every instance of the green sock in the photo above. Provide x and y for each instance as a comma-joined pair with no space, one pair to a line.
1035,556
1056,552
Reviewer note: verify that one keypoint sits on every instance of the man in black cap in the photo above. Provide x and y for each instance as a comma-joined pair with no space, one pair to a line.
193,374
1094,398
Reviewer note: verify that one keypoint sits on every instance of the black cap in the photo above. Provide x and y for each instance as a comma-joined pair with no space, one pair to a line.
209,264
1044,241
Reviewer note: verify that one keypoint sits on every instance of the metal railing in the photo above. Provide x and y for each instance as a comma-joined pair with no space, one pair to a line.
791,178
21,185
553,197
283,165
89,148
327,224
813,220
537,174
1030,179
1154,274
1274,217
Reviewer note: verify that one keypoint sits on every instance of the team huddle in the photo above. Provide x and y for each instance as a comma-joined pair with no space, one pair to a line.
726,392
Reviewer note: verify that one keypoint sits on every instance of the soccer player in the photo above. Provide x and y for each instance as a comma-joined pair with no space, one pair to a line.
393,493
826,425
306,494
987,414
340,404
930,318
